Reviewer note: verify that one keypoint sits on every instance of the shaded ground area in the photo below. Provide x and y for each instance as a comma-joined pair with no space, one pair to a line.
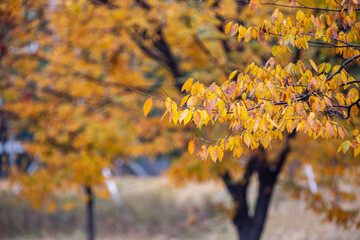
151,209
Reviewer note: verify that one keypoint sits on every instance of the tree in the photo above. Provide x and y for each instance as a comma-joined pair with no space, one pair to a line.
261,104
74,70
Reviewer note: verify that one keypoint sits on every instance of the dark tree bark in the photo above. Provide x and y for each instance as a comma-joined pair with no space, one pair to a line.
251,227
160,50
90,224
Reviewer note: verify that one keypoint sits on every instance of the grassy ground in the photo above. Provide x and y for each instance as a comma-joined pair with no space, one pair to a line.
152,210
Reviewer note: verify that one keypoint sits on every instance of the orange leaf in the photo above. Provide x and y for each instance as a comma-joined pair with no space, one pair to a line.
341,132
330,129
197,118
147,106
191,147
203,152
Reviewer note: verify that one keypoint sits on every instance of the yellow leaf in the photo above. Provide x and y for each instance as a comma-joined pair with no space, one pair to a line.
339,149
256,125
220,153
355,132
239,151
191,147
147,106
274,50
184,100
319,34
275,15
343,77
356,152
168,104
299,108
197,118
231,142
175,115
244,114
232,75
195,88
188,118
314,65
271,121
191,101
247,139
183,114
227,28
213,153
187,85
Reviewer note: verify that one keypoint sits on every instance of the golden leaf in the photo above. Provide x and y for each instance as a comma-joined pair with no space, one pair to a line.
227,28
355,132
356,152
188,117
232,75
213,153
197,118
191,147
314,65
147,106
220,153
244,114
187,85
271,121
183,114
247,139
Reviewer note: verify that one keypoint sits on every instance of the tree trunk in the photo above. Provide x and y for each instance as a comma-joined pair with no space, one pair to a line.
90,225
250,227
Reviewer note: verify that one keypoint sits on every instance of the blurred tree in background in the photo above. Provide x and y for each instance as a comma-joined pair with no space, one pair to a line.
73,70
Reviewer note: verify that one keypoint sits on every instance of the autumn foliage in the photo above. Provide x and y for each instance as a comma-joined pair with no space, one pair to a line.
295,91
260,103
77,73
241,76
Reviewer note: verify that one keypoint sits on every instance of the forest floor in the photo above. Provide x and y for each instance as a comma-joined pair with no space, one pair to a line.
151,209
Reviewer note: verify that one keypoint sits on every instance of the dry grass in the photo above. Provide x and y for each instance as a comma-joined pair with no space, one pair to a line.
152,210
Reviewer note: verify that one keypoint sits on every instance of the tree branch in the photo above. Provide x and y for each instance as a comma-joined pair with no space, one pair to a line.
343,66
308,8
